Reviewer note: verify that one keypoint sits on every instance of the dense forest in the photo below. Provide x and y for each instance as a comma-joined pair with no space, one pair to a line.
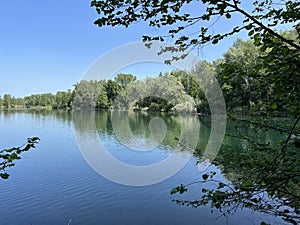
245,74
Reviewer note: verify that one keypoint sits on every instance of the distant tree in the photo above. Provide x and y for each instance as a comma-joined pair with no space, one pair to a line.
46,99
63,99
102,99
85,94
7,100
124,79
191,81
19,102
112,90
164,93
238,77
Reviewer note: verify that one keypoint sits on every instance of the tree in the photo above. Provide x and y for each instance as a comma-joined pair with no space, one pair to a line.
164,93
124,79
102,99
63,99
112,90
7,100
241,83
85,94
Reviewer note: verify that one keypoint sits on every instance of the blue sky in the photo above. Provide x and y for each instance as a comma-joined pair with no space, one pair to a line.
46,46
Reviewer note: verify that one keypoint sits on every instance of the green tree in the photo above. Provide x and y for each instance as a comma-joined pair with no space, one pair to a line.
47,99
19,102
85,94
164,93
112,90
7,100
63,99
241,83
124,79
102,99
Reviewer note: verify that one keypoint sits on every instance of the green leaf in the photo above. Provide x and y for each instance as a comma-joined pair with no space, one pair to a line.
174,191
228,16
204,190
205,176
215,41
4,175
248,27
274,106
248,183
181,189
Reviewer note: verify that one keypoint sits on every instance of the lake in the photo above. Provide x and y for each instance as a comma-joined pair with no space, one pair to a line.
89,168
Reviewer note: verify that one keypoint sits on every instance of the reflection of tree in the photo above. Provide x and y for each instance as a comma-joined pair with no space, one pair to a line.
102,121
139,126
64,115
262,167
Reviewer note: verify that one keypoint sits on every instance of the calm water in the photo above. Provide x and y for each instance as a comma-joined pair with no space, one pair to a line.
54,184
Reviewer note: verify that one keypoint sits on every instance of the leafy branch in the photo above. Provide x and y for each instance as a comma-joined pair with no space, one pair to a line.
168,13
8,156
266,180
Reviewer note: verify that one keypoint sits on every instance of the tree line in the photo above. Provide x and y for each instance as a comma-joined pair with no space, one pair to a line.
251,80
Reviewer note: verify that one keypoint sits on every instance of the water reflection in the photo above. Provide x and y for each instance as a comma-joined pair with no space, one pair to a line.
177,135
53,184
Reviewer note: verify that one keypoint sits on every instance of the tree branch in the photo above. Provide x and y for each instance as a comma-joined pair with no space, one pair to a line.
283,39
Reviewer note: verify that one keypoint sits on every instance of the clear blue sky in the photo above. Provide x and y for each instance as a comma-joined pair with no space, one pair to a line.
46,46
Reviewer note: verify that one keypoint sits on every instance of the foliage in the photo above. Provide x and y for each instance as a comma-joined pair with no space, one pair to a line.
281,69
259,18
7,99
192,88
63,100
263,175
86,94
124,79
259,77
237,75
165,93
8,156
